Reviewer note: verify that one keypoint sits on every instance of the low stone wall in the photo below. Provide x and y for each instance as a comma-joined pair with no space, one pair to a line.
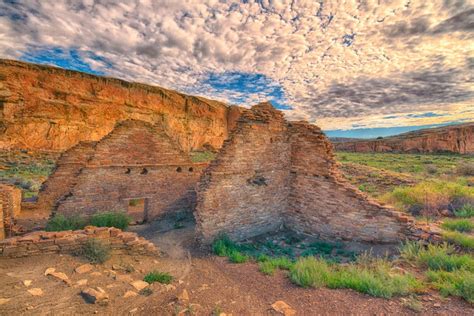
69,242
10,199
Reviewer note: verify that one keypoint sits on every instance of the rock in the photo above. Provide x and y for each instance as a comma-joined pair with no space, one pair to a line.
84,268
170,287
123,278
49,271
183,297
117,267
95,296
81,282
130,294
283,308
35,291
437,305
4,300
134,310
60,276
27,282
96,274
139,284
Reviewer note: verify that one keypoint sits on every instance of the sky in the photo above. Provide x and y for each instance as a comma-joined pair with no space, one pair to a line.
356,68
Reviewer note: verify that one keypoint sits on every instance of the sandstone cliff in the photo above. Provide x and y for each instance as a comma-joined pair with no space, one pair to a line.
49,108
455,139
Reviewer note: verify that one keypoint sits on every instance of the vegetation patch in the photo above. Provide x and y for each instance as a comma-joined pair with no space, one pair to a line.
466,211
458,283
95,251
110,219
270,265
60,223
375,279
460,225
202,156
160,277
460,239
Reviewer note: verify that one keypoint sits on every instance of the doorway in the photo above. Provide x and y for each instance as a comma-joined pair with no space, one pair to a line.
137,210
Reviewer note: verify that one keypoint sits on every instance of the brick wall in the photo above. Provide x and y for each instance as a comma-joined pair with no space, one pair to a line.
41,242
272,173
136,161
10,199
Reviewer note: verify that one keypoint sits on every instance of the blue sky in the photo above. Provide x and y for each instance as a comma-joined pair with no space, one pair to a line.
352,68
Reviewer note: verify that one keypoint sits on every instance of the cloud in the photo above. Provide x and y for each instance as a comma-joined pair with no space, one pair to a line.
334,62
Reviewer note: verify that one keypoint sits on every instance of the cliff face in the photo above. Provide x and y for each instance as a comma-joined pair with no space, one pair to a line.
48,108
455,139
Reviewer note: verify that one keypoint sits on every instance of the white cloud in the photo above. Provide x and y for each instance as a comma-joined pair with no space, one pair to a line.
406,45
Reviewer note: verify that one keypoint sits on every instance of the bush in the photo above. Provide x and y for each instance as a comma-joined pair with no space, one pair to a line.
223,246
460,225
110,219
271,264
156,276
95,251
431,195
460,239
374,279
465,168
238,257
467,211
411,250
431,169
60,223
458,283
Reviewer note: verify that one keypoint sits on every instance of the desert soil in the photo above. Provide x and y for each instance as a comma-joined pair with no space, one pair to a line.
213,286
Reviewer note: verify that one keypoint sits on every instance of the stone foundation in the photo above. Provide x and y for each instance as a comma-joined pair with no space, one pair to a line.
272,173
70,242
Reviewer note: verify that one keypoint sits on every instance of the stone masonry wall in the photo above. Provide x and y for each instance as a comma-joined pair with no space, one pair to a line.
243,192
136,161
322,203
272,173
10,199
70,242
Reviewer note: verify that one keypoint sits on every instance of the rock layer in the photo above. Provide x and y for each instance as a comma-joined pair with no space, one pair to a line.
48,108
453,139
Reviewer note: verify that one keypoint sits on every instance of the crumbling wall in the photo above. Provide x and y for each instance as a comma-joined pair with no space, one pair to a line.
61,182
272,173
10,200
136,161
322,203
243,192
70,242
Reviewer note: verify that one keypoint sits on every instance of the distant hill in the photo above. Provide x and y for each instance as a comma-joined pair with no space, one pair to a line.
448,139
343,139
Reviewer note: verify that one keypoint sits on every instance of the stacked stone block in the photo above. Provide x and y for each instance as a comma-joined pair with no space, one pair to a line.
70,242
10,200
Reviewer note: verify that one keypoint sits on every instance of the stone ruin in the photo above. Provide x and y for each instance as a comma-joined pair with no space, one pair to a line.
137,162
10,207
270,174
273,174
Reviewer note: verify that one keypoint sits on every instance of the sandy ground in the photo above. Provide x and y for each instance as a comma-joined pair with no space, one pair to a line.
213,286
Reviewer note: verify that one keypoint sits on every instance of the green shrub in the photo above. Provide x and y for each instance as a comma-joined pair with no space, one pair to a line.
460,225
223,246
440,257
110,219
374,279
60,223
467,211
95,251
270,265
411,250
156,276
457,283
459,239
238,257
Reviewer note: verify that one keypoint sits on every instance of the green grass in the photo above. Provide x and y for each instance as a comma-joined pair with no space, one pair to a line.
433,194
160,277
459,283
238,257
460,239
460,225
110,219
467,211
223,246
375,279
60,223
95,251
202,156
407,163
437,257
270,265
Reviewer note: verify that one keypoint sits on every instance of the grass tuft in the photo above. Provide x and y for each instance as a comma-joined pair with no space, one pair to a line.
460,225
160,277
95,251
467,211
459,239
458,283
60,223
270,265
110,219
